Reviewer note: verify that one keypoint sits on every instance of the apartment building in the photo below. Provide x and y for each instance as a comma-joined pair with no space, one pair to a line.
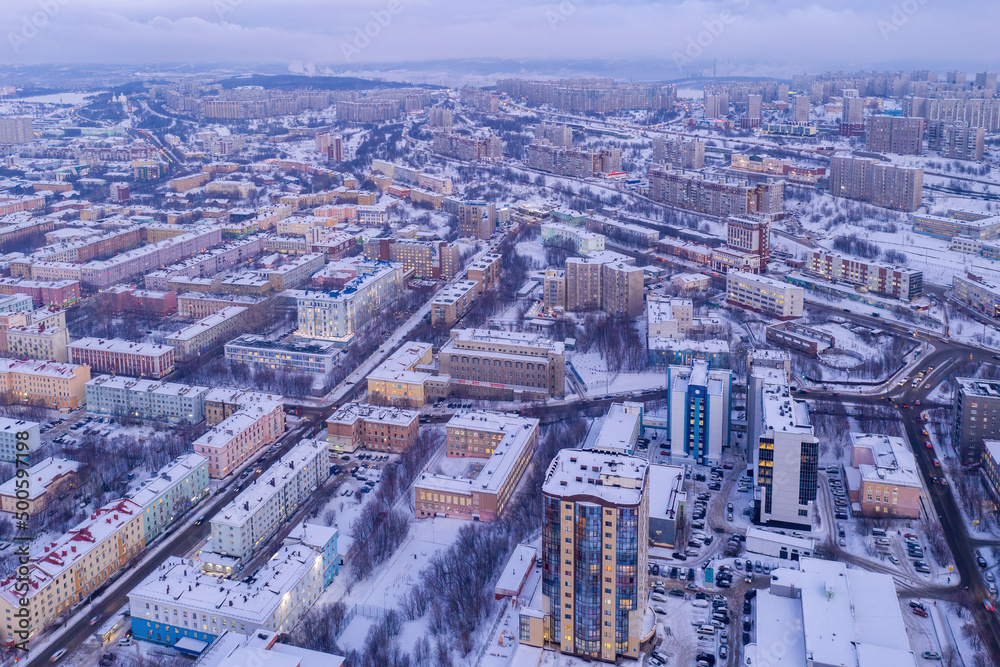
122,357
785,458
477,219
750,234
208,332
503,365
976,403
452,302
198,305
43,292
368,111
762,294
486,271
16,130
623,232
36,342
169,494
604,280
573,162
427,259
54,385
49,479
136,398
699,410
977,294
877,183
468,149
338,315
894,281
505,441
65,571
554,289
245,524
242,422
990,467
558,134
379,428
720,198
316,357
956,140
668,318
580,240
9,430
595,508
895,134
883,477
958,224
679,152
178,601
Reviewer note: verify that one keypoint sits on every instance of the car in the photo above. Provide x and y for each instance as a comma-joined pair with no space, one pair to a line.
937,462
58,654
673,573
690,574
691,587
988,605
893,559
656,662
749,565
842,542
989,576
981,561
921,612
126,641
748,578
723,652
758,567
656,597
678,556
932,655
676,592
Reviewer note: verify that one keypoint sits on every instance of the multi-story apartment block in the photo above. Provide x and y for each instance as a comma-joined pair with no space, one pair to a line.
990,467
976,404
54,385
242,422
486,271
880,184
16,130
316,357
452,302
679,152
956,141
558,134
338,315
604,280
469,149
384,429
483,363
750,234
893,281
177,601
764,295
29,434
477,219
505,441
198,305
427,259
889,479
716,104
134,398
627,233
785,458
575,162
368,111
895,134
696,192
580,240
122,357
977,294
293,271
595,535
170,493
582,95
48,479
699,411
208,332
65,571
52,293
36,342
554,289
800,107
243,526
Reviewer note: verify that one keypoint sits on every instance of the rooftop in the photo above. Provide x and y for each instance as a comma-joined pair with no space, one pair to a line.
168,476
41,475
296,345
781,413
121,346
606,478
206,323
351,412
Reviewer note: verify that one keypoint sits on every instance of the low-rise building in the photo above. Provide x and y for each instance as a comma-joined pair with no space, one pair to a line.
178,601
691,283
667,504
452,302
13,431
47,479
316,357
380,428
135,398
54,385
243,422
579,240
977,294
765,295
877,277
37,342
506,441
398,381
504,365
171,493
208,332
668,318
122,357
244,525
883,477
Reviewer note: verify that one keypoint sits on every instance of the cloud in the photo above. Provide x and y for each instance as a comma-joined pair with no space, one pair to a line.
776,34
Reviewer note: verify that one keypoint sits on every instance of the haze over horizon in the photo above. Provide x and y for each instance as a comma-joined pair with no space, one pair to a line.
665,39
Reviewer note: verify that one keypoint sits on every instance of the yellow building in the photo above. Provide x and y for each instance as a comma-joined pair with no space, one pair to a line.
56,385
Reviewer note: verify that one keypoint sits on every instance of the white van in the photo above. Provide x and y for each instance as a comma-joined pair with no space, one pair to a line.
706,630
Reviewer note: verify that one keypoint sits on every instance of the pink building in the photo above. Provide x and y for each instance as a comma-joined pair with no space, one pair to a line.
883,477
259,421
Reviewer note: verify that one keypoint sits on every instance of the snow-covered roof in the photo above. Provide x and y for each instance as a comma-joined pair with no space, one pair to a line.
605,477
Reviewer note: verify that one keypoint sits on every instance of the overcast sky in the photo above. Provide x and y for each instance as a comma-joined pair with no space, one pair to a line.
746,36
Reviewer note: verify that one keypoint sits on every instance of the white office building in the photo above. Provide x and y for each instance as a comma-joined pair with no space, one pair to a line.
762,294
